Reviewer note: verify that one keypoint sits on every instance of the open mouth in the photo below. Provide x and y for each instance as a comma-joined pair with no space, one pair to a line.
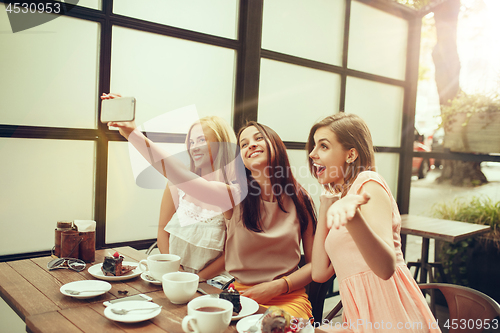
319,168
255,153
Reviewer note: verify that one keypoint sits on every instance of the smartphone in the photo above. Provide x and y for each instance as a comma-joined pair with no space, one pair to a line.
118,109
139,297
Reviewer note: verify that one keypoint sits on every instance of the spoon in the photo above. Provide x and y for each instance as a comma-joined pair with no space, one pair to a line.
125,311
254,328
150,278
76,292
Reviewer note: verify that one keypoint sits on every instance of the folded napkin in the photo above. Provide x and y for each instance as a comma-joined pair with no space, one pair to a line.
85,225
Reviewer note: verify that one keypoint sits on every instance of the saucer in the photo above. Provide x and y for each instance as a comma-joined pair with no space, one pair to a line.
133,316
147,277
96,272
101,287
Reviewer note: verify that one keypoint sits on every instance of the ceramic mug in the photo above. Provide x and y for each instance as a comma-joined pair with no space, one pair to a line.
180,287
160,264
208,315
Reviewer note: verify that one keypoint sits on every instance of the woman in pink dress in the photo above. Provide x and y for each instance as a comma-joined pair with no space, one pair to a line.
357,235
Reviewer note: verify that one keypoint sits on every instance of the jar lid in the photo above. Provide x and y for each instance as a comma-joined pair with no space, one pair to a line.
64,224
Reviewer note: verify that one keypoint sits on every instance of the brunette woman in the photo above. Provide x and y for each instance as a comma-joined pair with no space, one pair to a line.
358,234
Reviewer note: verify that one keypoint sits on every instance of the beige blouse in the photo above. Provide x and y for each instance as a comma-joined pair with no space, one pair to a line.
253,257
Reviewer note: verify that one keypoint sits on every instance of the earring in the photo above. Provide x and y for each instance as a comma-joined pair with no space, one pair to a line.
348,161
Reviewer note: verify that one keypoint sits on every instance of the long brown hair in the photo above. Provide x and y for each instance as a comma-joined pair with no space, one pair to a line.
351,132
281,178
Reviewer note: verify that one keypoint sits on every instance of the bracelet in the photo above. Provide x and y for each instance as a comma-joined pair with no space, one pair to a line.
288,283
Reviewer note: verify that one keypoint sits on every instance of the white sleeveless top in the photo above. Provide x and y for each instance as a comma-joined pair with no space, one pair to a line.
197,234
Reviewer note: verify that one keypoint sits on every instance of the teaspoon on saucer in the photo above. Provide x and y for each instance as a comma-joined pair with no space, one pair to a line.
78,292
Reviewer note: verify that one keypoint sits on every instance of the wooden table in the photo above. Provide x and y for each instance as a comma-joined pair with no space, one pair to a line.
33,292
445,230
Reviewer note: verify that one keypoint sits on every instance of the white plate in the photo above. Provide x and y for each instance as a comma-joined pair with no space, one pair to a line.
248,307
104,287
96,272
134,316
143,276
244,324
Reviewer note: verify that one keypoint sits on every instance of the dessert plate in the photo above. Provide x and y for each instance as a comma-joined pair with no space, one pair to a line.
96,272
133,316
148,278
87,288
248,307
244,324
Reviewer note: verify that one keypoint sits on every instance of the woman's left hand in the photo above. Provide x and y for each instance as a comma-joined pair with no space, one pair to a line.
343,210
263,292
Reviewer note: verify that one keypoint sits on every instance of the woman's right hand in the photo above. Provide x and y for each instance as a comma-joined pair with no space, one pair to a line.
124,127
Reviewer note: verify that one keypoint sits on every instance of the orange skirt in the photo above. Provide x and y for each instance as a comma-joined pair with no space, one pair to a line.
295,303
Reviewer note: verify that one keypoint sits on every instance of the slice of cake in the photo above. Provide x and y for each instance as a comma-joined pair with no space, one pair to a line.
233,296
113,265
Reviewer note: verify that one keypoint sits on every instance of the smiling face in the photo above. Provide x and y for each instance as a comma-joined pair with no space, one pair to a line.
329,157
254,148
202,148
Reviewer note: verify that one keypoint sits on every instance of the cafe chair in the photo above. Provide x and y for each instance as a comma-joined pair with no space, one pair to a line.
151,248
334,312
468,307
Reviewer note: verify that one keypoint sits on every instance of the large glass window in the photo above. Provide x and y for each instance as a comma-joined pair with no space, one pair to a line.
134,193
377,42
165,74
388,167
94,4
49,73
292,98
312,29
214,17
44,181
380,105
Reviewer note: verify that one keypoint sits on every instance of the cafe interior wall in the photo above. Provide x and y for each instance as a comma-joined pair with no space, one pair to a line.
311,60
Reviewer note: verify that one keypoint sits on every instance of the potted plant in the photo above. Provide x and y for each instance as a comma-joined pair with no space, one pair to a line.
471,124
474,262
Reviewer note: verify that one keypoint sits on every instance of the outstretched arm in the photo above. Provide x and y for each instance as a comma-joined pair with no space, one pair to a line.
210,192
368,218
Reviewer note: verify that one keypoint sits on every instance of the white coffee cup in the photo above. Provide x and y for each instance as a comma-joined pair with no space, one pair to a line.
208,315
160,264
180,287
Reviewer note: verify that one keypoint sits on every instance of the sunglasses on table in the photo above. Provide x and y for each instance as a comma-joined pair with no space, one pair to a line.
67,263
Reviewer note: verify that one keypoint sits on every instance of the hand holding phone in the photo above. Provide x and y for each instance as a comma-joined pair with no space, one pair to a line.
118,111
115,108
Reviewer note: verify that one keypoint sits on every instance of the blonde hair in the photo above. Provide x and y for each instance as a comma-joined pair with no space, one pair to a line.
226,140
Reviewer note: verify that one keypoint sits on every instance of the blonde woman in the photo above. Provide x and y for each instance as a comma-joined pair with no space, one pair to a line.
194,230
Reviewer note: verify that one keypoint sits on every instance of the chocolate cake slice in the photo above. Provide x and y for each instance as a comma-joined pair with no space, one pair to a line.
113,266
233,296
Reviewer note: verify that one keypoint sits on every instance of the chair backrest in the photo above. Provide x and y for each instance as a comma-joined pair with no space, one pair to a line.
316,293
471,308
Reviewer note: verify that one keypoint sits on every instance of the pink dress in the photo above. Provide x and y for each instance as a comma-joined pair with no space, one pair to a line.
371,304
